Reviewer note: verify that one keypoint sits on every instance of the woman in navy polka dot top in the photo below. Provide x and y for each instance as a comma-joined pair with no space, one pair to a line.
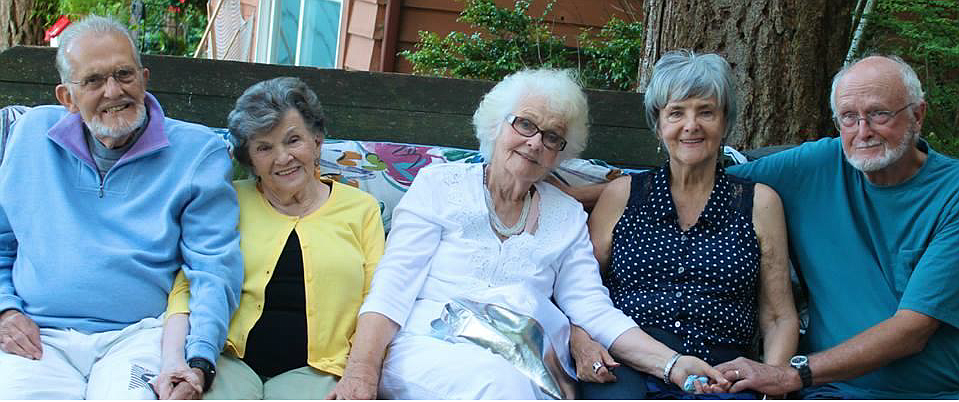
695,256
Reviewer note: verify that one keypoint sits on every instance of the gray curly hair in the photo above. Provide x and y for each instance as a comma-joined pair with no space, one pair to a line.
261,107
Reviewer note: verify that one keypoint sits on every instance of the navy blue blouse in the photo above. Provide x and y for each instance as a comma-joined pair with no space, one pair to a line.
700,284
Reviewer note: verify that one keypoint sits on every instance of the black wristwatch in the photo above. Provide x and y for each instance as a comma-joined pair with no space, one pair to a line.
208,369
801,363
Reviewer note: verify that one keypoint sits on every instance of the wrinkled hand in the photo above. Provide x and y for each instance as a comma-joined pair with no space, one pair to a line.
19,335
586,352
751,375
359,381
180,382
690,365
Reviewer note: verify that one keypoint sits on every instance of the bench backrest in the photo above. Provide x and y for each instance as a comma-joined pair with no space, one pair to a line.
359,105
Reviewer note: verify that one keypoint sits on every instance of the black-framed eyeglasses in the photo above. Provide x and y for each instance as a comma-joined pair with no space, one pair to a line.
551,140
873,118
123,75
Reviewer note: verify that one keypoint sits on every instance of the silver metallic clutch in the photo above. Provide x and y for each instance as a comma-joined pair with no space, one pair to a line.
518,338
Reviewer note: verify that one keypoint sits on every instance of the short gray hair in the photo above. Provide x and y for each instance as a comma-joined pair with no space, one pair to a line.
562,94
909,79
261,107
90,24
682,74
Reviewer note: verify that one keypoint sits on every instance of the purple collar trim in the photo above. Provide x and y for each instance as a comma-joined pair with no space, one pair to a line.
68,132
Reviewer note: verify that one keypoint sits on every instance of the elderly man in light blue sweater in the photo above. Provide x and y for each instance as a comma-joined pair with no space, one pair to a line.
102,201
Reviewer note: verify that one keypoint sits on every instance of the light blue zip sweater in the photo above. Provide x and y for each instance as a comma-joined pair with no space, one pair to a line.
98,255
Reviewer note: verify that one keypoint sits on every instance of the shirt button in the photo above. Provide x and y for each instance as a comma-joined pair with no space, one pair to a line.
683,238
681,270
676,324
679,294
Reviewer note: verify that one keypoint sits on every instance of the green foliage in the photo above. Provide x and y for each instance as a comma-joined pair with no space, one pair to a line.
509,39
119,9
170,27
172,30
925,33
45,13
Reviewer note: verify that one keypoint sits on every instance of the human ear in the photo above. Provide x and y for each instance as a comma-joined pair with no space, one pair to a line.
65,98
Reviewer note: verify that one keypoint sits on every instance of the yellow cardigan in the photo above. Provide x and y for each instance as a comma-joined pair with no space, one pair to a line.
342,242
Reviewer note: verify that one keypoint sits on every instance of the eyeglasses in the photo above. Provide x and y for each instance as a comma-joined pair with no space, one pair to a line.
526,128
873,118
123,75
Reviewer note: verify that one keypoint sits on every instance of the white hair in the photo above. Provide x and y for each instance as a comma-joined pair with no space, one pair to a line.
909,79
90,24
559,90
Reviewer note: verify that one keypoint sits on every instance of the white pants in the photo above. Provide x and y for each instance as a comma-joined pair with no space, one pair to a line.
106,365
422,367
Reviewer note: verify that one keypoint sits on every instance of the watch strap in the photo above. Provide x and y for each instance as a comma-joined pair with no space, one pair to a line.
208,369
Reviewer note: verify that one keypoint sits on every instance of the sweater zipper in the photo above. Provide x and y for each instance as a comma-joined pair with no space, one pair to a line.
101,187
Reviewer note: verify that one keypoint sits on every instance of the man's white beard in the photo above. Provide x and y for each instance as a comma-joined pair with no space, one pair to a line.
122,128
889,157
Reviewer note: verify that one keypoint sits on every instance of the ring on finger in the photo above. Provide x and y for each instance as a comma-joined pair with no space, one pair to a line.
596,366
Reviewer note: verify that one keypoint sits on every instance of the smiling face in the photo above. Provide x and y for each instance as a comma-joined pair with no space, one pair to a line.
526,157
875,84
283,158
115,109
692,131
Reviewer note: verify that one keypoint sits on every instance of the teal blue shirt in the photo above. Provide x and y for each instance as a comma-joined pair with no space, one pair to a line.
866,251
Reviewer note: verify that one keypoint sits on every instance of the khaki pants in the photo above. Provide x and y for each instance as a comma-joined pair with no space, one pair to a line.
236,380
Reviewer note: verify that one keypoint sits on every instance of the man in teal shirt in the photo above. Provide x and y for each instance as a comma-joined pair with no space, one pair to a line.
873,220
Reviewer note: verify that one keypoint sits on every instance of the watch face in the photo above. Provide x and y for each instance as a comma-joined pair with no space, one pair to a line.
797,361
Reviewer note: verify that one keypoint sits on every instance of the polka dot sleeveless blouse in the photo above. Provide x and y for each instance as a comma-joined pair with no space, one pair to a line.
700,284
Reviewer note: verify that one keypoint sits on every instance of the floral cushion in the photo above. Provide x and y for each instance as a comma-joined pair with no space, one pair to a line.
386,169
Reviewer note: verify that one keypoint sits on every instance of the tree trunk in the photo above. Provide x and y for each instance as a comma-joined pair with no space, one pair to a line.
19,24
783,53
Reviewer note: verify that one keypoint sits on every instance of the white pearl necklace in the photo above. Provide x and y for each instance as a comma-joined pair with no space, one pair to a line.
498,225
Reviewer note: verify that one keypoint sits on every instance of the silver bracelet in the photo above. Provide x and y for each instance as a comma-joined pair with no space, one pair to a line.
669,366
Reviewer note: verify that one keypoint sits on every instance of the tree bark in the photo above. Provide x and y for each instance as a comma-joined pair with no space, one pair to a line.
783,54
19,25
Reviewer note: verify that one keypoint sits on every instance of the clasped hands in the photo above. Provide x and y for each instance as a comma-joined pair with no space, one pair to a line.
179,383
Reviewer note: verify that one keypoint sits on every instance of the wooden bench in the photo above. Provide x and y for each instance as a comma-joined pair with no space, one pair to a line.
359,105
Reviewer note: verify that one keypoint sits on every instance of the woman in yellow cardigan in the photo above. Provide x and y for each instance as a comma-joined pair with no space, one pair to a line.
309,244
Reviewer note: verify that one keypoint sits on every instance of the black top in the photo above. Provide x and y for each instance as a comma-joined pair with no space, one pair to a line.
278,343
701,284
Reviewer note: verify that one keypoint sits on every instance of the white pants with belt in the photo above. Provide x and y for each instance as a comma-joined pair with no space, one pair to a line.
105,365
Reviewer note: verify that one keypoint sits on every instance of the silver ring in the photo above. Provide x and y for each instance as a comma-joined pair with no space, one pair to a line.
738,376
596,367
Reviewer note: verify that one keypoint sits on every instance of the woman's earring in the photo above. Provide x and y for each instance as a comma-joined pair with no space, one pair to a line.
316,162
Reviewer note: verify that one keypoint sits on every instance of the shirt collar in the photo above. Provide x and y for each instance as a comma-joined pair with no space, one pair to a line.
69,133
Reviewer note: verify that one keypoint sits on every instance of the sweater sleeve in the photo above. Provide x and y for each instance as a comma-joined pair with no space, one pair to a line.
579,290
414,238
8,254
210,246
374,240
